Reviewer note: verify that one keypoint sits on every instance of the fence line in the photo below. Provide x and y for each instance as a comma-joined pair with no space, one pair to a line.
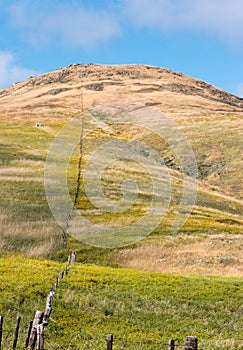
35,334
36,329
191,343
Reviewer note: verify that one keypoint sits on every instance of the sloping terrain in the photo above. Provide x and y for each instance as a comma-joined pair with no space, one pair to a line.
142,310
210,119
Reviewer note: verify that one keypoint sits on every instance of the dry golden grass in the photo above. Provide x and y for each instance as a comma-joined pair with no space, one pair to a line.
212,255
212,125
128,83
36,239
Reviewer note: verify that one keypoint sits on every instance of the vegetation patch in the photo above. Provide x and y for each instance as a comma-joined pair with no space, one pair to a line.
24,285
143,309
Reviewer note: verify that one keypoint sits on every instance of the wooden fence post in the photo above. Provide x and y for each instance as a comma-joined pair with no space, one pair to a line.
191,343
16,333
73,257
58,279
1,330
28,334
48,308
33,334
47,315
109,342
40,337
171,344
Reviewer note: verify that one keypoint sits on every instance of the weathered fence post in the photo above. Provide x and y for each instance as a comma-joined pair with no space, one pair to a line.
73,257
16,333
28,334
1,330
37,320
47,315
109,342
40,337
171,344
49,299
48,308
59,278
191,343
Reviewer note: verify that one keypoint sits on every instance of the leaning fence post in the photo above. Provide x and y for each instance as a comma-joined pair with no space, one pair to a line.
109,342
40,337
1,330
28,334
16,333
37,320
48,308
191,343
171,344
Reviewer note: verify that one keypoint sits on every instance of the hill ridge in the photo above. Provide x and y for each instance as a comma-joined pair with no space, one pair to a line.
103,75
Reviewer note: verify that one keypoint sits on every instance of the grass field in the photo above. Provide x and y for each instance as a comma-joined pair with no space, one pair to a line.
165,286
24,285
143,310
145,307
25,212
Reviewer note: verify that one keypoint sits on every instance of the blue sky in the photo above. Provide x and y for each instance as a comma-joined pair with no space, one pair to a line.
201,38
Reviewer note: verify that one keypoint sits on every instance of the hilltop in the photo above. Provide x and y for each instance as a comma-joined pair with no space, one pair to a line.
211,120
103,84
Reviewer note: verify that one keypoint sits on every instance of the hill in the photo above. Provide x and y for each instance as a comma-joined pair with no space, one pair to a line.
210,119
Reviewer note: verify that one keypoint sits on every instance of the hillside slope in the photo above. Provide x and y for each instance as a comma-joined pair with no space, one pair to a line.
142,310
211,120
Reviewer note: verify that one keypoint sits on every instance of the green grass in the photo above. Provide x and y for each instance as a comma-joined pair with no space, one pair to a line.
142,308
26,220
25,211
145,309
24,286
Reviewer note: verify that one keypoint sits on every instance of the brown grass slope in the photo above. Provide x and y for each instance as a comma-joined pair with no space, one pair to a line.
210,118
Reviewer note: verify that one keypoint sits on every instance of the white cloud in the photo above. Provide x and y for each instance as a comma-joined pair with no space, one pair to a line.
221,17
60,24
10,71
63,25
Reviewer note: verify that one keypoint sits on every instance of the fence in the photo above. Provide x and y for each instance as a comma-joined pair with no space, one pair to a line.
35,333
191,343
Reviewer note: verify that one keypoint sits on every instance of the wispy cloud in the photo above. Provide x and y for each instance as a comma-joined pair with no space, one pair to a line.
57,23
10,71
223,18
63,25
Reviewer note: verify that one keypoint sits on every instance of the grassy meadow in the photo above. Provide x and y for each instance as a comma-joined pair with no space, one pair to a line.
24,284
165,286
142,309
